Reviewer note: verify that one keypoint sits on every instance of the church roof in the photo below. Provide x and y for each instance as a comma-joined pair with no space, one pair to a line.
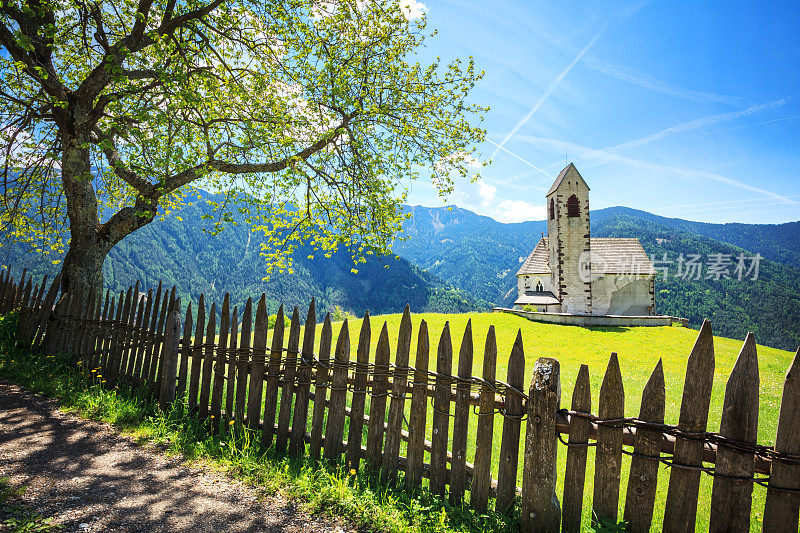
561,177
619,256
537,298
538,262
609,256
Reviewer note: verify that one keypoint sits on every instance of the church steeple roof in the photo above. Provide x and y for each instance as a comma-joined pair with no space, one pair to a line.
562,175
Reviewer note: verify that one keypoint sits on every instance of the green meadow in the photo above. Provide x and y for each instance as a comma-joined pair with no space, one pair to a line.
638,350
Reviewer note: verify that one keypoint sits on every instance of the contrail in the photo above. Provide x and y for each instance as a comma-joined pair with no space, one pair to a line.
548,92
509,152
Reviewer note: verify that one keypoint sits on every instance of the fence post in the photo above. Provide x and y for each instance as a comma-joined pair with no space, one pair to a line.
781,510
482,469
643,477
441,412
575,470
731,498
608,458
169,355
458,465
540,508
512,421
418,411
680,509
391,449
273,379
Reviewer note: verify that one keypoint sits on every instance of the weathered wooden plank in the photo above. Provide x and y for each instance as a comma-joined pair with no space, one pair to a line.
254,398
356,428
26,310
643,477
300,418
219,364
51,326
114,332
208,362
321,389
243,364
540,508
731,499
458,468
155,362
509,446
418,411
121,337
102,334
391,449
169,354
680,510
377,402
144,385
482,475
441,412
171,306
289,374
128,334
334,429
197,353
46,311
782,508
186,352
273,379
233,357
84,324
96,340
142,338
608,461
575,471
135,340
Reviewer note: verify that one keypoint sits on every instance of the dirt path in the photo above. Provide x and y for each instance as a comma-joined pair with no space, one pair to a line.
88,477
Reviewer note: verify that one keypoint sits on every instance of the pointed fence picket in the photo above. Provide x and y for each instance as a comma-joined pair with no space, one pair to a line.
139,341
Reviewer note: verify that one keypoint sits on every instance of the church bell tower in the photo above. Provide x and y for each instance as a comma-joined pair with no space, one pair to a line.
568,241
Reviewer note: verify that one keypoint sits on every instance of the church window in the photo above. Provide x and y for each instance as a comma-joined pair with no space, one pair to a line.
527,282
552,209
539,287
573,207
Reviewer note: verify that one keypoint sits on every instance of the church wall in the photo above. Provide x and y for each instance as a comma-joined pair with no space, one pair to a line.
622,295
522,286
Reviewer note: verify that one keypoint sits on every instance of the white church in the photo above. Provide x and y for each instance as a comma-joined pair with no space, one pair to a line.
571,272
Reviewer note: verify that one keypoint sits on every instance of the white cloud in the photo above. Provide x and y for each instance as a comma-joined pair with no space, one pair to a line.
518,211
412,9
487,192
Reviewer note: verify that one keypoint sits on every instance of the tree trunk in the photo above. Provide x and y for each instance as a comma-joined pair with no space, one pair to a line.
90,241
83,268
83,263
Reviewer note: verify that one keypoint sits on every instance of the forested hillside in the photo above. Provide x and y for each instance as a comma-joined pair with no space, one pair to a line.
180,253
453,260
481,256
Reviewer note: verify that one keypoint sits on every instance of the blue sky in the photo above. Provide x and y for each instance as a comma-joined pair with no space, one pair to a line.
683,109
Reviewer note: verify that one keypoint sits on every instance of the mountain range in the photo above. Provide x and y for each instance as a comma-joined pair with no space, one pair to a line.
453,260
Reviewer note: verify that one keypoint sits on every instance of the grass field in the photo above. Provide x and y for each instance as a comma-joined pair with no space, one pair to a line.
638,349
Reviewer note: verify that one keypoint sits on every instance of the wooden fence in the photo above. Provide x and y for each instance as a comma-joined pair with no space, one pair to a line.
300,399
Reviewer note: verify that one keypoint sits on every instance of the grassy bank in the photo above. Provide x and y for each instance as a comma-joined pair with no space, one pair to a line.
319,486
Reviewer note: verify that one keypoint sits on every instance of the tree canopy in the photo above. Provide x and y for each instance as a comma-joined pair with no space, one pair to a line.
309,117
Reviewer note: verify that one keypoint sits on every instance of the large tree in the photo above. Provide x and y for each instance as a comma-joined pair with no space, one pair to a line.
308,116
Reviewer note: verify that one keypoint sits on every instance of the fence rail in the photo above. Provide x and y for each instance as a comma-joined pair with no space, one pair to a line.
298,398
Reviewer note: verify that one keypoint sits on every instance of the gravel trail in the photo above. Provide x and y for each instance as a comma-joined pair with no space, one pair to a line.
87,477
